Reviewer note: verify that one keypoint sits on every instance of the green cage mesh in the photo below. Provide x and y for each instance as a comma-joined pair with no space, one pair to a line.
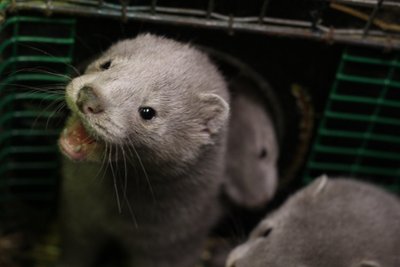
359,133
35,57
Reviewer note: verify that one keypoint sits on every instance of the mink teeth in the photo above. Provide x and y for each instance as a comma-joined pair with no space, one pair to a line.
77,148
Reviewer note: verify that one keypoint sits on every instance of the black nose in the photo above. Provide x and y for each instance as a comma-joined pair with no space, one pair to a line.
88,101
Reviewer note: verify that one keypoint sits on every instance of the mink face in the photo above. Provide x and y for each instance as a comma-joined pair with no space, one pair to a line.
147,95
252,152
333,223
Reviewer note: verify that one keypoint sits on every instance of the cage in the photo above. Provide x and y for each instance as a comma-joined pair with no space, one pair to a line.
357,133
333,64
28,157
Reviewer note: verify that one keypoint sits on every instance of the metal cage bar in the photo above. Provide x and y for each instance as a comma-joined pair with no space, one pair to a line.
384,35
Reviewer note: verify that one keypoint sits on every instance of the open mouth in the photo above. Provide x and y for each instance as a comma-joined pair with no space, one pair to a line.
75,142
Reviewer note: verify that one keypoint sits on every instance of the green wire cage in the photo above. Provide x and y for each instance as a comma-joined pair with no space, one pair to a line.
28,153
358,134
358,127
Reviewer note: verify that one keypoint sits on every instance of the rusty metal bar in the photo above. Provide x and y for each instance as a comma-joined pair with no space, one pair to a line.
372,17
366,3
153,6
263,10
210,8
124,11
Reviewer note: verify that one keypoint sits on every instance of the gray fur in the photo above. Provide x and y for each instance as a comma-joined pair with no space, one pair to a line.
251,174
172,189
330,223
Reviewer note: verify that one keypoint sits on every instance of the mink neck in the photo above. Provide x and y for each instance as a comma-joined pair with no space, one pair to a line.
140,168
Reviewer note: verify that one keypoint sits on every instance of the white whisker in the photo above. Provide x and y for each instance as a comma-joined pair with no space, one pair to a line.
115,182
52,56
144,170
58,108
132,213
104,164
125,186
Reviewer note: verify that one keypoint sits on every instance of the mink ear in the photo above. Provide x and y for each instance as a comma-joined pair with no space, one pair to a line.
318,185
214,113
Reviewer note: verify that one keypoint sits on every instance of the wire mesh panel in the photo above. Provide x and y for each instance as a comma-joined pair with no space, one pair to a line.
359,134
35,56
366,22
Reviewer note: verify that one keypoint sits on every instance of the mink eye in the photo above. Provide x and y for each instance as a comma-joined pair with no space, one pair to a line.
266,232
106,65
263,153
147,113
